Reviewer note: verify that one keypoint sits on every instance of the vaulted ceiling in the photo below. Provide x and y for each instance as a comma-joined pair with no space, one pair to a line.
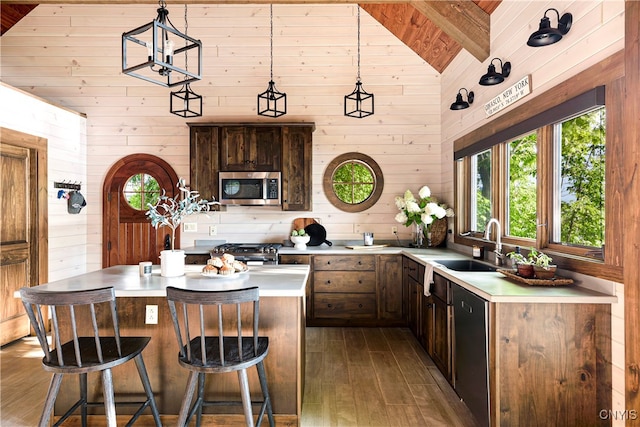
435,30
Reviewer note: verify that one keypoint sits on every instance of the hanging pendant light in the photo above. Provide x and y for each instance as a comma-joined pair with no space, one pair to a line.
272,103
358,103
151,48
185,102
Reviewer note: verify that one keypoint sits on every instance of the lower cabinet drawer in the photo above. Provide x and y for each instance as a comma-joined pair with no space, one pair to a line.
344,281
348,306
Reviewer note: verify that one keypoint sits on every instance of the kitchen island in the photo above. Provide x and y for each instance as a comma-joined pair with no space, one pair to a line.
282,314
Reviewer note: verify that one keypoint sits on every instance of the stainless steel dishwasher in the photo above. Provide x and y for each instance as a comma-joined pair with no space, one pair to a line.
471,369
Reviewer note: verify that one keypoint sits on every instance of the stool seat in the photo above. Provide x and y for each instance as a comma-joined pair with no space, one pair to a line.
80,346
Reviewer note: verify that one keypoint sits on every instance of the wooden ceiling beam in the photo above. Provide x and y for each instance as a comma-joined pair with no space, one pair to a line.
463,21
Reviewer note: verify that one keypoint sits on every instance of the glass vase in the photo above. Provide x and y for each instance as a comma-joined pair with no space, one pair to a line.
418,236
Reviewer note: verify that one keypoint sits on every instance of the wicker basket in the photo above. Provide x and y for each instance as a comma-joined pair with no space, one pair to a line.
438,232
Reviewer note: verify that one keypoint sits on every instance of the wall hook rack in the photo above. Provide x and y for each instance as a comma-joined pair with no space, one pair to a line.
68,185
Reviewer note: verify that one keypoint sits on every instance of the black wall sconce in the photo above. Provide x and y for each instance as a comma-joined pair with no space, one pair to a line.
460,104
493,77
547,35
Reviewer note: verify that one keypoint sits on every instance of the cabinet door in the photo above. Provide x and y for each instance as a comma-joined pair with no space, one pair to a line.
204,161
442,337
234,144
246,148
296,168
427,324
197,259
265,148
416,291
391,297
301,259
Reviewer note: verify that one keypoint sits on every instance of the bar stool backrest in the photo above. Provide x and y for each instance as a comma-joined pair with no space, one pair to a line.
190,320
69,308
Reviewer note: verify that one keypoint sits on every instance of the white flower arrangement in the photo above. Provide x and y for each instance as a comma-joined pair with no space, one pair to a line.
171,211
421,211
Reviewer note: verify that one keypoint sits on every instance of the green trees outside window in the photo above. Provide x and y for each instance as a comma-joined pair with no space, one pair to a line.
522,163
140,190
353,182
579,191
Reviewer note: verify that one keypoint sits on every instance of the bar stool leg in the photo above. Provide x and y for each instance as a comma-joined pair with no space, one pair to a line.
246,396
186,399
54,387
262,376
144,377
82,379
109,399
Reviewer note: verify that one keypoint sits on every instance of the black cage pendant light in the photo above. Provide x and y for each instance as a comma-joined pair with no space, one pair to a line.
149,52
358,103
272,103
185,102
547,35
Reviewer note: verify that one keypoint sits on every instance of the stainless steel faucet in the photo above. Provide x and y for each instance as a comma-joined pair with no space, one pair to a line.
498,250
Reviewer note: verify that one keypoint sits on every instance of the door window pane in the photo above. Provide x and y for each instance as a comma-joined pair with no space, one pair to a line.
521,203
141,190
480,190
578,217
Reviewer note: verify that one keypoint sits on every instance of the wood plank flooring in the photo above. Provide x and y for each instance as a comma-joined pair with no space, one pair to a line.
361,377
375,377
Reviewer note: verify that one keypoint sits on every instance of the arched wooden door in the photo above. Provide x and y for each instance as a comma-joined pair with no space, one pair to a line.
127,235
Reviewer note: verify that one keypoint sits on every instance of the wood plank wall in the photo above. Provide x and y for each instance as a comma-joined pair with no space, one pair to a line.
71,55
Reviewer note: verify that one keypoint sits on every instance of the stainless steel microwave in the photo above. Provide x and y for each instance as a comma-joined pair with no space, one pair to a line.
250,188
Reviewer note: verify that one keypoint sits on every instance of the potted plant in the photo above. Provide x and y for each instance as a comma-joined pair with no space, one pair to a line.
542,267
524,265
170,212
300,238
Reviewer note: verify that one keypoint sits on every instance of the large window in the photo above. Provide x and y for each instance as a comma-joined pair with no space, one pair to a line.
543,179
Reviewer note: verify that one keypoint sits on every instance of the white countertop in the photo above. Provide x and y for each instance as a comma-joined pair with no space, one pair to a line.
492,286
273,280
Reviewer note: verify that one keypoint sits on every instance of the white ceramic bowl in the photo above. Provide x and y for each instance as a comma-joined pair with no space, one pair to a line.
300,242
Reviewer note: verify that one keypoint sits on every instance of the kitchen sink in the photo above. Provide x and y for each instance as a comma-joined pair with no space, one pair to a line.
465,265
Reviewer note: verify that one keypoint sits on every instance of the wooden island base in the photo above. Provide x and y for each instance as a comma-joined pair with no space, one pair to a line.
281,319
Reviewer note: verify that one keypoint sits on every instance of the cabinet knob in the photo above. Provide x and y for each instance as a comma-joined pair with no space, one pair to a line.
359,305
360,282
359,262
328,262
329,305
328,282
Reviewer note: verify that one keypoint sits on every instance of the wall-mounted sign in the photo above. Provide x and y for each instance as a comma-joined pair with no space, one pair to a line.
513,94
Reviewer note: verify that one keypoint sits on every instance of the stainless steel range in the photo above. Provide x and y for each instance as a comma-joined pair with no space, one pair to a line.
250,253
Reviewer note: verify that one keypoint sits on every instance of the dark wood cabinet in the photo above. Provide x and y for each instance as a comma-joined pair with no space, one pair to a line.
296,168
442,323
249,148
391,295
357,290
204,161
229,147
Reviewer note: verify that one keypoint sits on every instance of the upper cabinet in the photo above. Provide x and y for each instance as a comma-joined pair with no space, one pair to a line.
233,147
249,148
204,160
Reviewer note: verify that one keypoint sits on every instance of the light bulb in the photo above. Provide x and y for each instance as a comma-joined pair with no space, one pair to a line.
149,46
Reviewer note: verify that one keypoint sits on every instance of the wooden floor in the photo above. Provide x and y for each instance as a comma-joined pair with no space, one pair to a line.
360,377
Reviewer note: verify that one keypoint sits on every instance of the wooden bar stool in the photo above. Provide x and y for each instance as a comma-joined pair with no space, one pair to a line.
218,353
81,354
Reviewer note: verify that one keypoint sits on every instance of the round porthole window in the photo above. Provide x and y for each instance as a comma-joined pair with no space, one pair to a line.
353,182
140,190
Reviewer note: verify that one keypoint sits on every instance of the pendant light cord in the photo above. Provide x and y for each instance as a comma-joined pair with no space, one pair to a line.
358,42
186,33
271,38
